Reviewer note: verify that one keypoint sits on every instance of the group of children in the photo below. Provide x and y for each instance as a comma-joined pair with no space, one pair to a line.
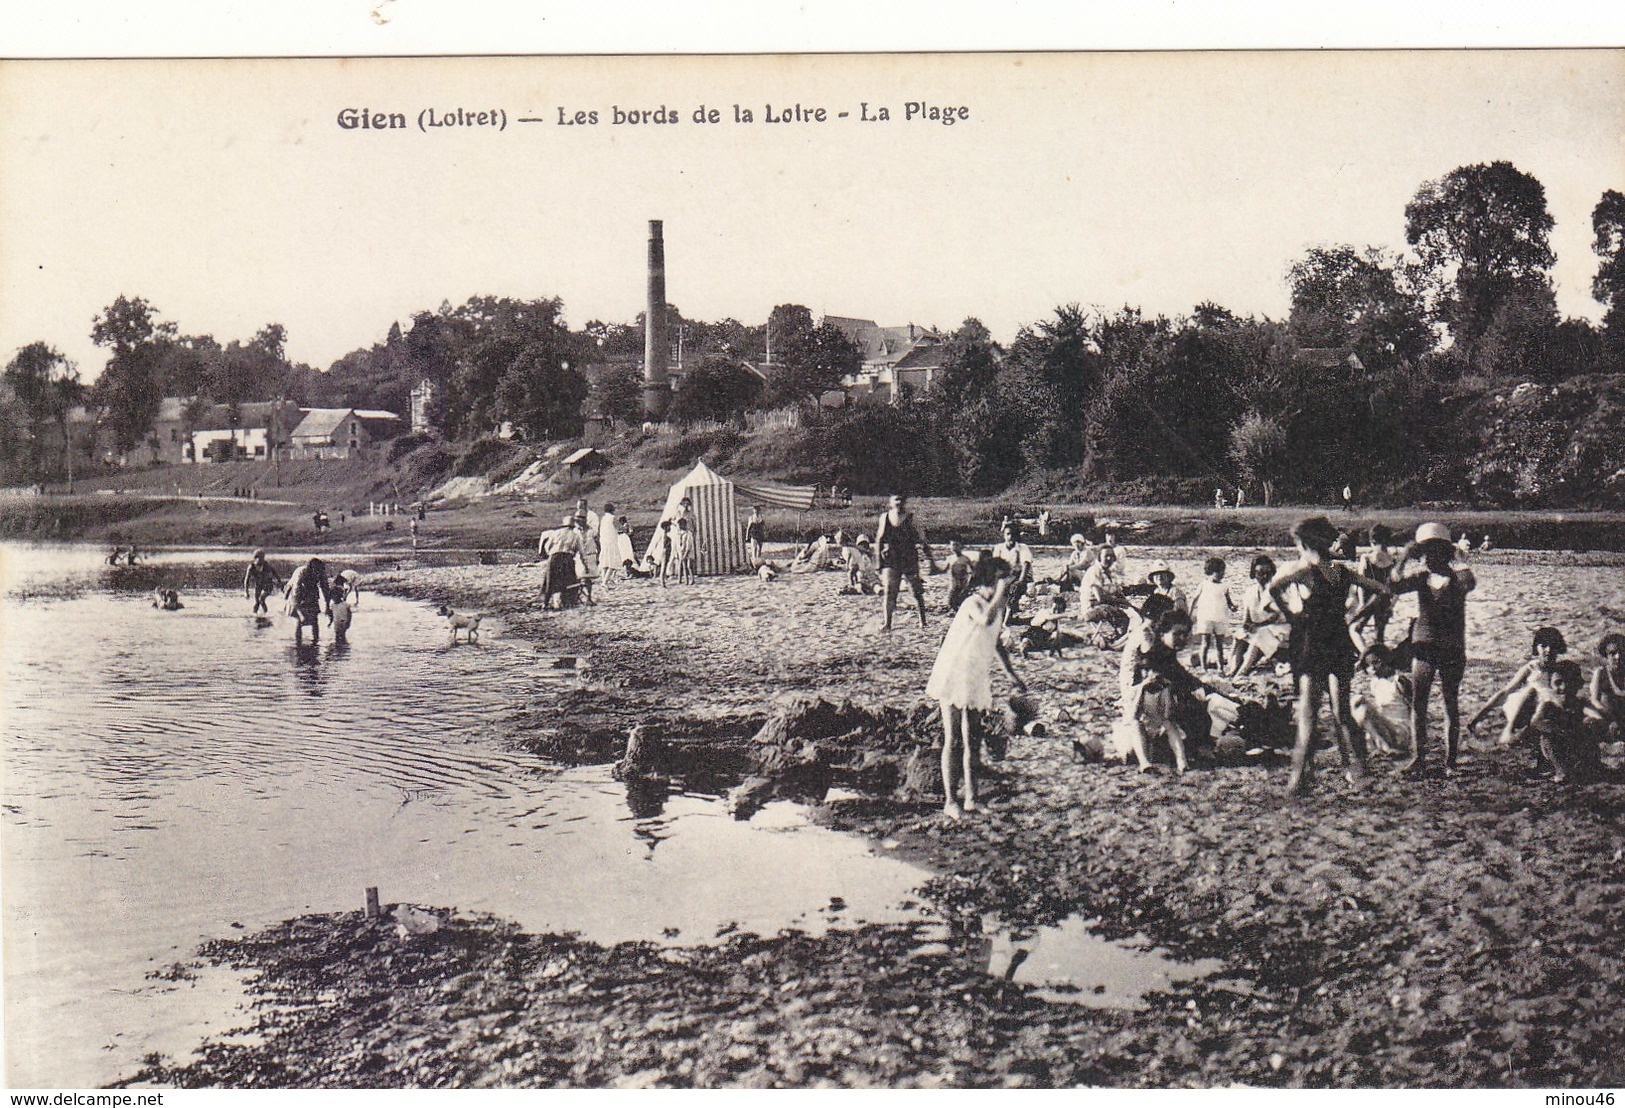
1320,618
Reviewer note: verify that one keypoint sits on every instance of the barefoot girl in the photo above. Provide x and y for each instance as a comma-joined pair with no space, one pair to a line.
1321,650
962,679
1438,638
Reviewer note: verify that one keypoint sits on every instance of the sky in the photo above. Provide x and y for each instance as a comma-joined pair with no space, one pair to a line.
227,194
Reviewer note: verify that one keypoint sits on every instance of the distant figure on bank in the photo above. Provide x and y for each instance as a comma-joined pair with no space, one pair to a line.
309,595
1348,498
755,535
1484,546
1043,523
129,559
899,541
260,581
1240,496
116,556
1218,498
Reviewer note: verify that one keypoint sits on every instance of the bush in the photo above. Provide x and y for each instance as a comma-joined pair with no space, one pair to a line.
405,444
484,454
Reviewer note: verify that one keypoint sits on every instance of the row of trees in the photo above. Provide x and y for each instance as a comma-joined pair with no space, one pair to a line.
1114,397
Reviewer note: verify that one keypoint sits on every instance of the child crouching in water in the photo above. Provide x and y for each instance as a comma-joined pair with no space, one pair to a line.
961,681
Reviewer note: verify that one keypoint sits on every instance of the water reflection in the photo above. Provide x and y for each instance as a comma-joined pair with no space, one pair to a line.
170,775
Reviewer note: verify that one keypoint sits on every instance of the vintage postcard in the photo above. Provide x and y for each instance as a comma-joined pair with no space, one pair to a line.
818,570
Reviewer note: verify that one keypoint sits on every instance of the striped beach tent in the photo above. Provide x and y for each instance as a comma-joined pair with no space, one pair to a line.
795,497
715,519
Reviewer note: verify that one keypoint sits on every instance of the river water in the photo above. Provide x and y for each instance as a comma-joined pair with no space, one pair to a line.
171,777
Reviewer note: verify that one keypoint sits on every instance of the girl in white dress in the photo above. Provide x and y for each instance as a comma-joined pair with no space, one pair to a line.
962,678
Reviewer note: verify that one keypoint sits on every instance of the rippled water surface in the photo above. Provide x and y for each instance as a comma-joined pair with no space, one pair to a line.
175,776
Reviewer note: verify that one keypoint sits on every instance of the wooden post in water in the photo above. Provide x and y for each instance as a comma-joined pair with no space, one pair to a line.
372,902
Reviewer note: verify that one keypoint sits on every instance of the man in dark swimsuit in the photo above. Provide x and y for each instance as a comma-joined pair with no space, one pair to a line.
899,541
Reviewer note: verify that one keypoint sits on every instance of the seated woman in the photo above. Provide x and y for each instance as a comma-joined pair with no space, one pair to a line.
816,555
1264,627
1103,604
1161,699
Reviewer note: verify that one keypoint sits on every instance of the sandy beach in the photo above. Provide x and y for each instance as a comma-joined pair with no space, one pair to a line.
1445,932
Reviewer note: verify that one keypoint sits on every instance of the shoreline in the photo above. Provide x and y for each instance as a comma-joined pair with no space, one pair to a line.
1366,937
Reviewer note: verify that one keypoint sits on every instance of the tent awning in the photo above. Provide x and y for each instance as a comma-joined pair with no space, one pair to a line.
795,497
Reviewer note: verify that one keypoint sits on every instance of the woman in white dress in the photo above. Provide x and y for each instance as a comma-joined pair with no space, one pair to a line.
962,679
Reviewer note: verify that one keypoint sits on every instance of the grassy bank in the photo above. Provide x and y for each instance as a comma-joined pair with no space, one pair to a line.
513,522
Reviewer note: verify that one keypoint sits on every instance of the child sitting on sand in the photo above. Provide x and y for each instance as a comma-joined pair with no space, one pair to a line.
1384,708
1211,612
1605,708
1532,681
961,679
1160,697
1557,724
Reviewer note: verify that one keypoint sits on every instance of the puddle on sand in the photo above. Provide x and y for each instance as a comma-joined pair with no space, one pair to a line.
1071,963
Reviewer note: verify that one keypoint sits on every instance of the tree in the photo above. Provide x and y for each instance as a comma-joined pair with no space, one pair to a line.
1258,446
617,391
1608,286
129,389
46,387
1342,296
1481,234
810,361
970,362
718,388
517,362
1520,340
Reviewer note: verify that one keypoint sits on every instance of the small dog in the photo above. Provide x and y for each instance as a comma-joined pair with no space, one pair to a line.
462,621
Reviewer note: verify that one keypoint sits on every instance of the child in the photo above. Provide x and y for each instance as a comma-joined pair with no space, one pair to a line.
1319,645
1161,578
1532,681
345,596
1378,564
961,679
861,576
1211,612
665,544
260,581
1264,627
1160,697
685,553
1438,637
1558,724
1605,709
1384,710
755,533
959,573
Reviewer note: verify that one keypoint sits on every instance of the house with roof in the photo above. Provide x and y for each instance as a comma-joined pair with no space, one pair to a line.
883,349
223,432
342,432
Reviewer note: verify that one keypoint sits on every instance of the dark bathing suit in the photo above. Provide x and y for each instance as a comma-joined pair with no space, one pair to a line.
1440,634
1319,643
899,545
